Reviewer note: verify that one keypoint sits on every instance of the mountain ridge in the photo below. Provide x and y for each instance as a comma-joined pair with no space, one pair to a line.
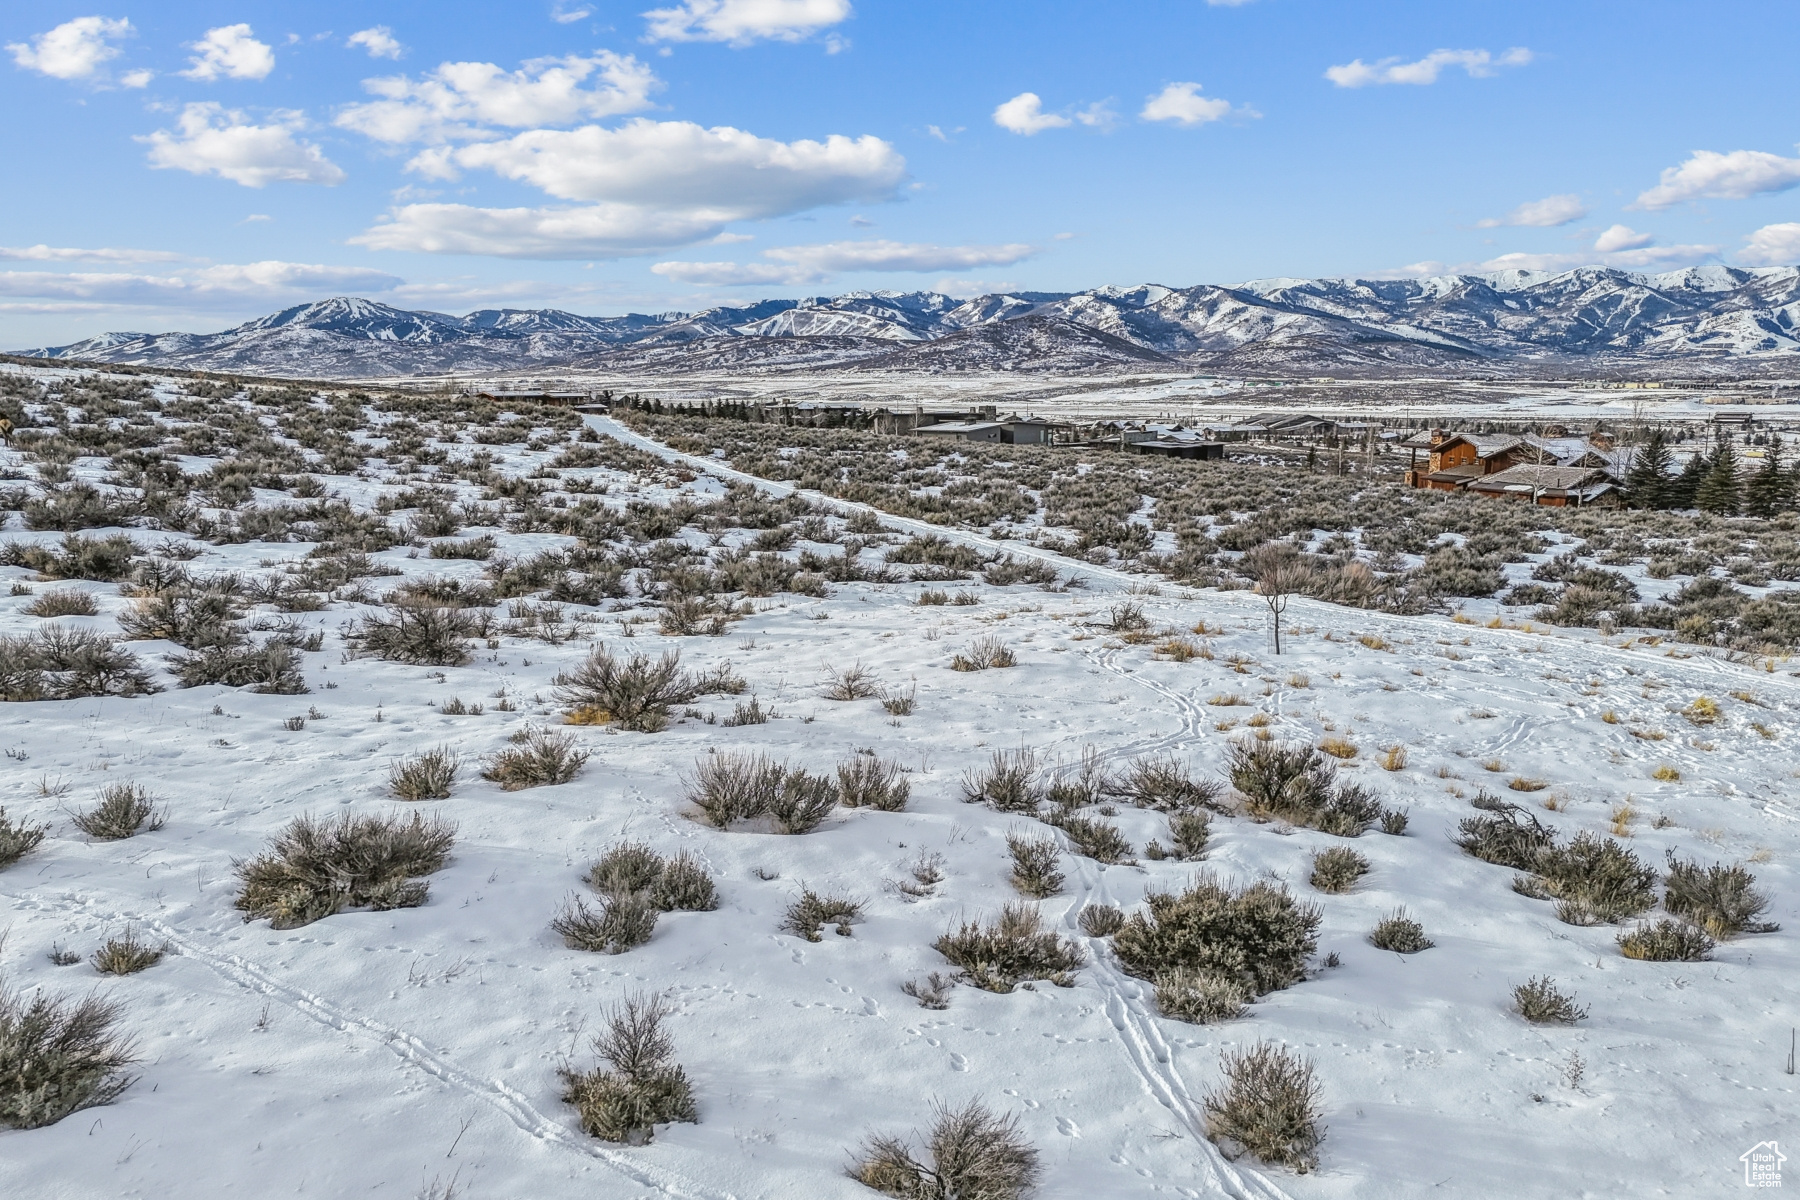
1708,320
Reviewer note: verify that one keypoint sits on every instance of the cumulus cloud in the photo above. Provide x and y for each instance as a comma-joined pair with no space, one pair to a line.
225,283
43,253
137,79
378,40
1641,258
564,14
588,231
678,164
1772,246
1182,104
1478,63
650,186
459,99
1621,237
1024,114
1737,175
794,265
1543,214
212,140
73,50
741,22
229,52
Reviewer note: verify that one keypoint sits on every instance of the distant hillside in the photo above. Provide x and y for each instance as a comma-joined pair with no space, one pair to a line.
1703,321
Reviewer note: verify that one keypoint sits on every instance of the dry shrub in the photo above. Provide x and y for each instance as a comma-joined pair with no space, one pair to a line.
1268,1106
868,782
643,1089
1724,901
1337,869
974,1155
1539,1002
427,777
124,809
808,916
635,692
624,921
1093,838
1162,782
58,1056
1190,832
17,839
1010,783
1594,878
985,653
1034,871
1295,783
1257,935
1666,941
1400,933
58,663
933,991
63,602
315,868
1393,758
126,955
1339,747
1101,920
732,787
1200,997
540,759
1016,947
431,636
1508,838
854,682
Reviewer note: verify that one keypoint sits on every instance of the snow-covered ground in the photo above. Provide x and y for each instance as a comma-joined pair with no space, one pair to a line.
390,1053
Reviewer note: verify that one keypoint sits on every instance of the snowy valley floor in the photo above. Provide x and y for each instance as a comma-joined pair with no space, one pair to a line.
388,1053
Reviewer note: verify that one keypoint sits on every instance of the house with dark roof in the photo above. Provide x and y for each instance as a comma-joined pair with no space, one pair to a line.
1556,470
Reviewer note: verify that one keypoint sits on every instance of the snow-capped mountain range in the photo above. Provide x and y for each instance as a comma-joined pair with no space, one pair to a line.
1706,320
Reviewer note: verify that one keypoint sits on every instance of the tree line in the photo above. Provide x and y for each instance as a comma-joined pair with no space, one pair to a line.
1714,482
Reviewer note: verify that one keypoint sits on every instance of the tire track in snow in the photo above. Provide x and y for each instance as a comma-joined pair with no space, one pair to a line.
511,1103
1140,1034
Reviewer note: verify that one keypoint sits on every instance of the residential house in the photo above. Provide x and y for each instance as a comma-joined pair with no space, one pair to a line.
1550,470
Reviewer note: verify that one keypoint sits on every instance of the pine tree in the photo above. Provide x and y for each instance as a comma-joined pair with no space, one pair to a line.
1647,484
1720,491
1680,490
1765,492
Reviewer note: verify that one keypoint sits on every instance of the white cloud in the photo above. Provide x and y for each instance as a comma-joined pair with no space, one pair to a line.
1478,63
378,40
1621,237
1734,176
795,265
678,164
73,50
564,15
43,253
593,231
1542,214
216,141
1183,104
724,274
1638,259
230,52
742,22
221,284
1024,114
458,98
137,79
1772,246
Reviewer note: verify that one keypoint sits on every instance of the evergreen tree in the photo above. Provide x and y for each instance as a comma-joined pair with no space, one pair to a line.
1766,492
1680,490
1720,492
1647,483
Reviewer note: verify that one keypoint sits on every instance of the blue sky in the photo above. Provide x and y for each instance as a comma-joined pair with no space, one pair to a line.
188,165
